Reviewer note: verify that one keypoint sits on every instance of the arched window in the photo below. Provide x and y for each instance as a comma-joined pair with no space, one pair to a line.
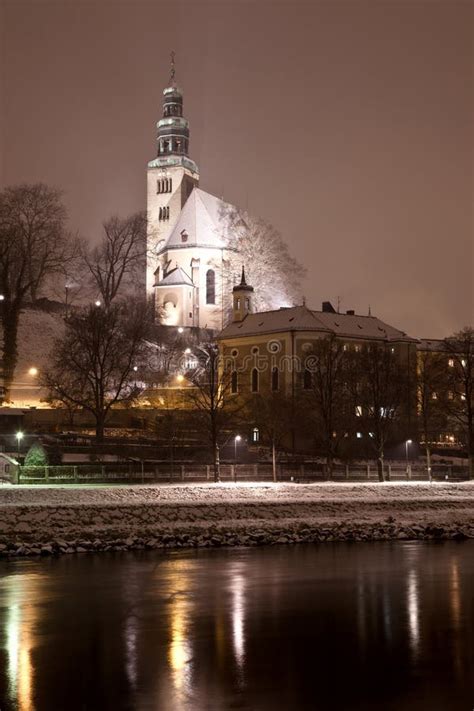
234,382
210,287
275,378
170,184
307,379
254,381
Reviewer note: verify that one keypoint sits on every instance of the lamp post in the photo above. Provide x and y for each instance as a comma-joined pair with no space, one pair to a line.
19,437
408,441
236,439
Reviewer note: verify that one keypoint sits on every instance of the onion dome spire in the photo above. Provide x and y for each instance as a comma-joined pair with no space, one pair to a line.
173,128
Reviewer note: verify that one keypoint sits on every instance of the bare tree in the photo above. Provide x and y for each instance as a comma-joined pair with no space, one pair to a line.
382,388
276,272
93,365
209,397
328,397
34,245
460,349
431,397
271,414
119,260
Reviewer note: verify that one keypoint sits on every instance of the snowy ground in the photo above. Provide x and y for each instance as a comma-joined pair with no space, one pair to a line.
66,519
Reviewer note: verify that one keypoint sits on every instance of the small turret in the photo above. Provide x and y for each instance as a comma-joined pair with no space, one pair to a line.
242,299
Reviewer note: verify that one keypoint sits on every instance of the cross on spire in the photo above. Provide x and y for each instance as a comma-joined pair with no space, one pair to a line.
173,68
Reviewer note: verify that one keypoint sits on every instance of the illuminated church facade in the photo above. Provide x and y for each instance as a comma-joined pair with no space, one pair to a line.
188,236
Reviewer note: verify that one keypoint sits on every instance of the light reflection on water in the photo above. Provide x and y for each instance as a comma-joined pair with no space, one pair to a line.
241,629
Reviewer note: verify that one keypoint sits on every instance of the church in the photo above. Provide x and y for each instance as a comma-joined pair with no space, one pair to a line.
189,245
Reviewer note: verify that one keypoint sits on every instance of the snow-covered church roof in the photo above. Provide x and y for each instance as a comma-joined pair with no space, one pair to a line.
203,222
176,277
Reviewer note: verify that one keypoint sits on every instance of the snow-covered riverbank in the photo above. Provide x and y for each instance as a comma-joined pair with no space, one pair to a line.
48,520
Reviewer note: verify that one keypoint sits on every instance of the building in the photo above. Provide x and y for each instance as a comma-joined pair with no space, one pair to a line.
188,239
267,350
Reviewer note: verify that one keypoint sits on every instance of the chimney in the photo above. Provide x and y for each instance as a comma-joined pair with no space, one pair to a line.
350,312
328,308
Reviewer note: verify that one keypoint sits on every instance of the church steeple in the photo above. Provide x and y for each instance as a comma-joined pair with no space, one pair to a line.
173,129
242,298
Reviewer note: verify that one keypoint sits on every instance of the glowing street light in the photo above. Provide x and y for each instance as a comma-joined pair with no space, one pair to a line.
409,441
180,329
179,378
33,371
2,298
98,303
237,439
19,437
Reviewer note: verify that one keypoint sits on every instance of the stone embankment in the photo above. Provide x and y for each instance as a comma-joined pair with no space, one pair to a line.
55,520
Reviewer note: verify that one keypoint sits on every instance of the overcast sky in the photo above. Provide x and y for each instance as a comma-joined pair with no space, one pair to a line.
347,124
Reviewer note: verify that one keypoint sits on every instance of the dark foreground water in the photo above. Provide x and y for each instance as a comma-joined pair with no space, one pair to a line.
335,626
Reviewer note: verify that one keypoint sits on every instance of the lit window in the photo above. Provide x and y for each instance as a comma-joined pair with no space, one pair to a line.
359,435
450,395
451,362
358,411
434,396
463,362
357,348
255,434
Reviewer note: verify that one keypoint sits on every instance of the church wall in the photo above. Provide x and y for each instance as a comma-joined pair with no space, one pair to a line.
160,229
209,315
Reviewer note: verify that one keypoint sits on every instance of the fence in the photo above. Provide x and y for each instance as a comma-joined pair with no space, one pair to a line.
165,472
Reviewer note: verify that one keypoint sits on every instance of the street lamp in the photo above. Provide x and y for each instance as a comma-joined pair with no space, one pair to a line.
180,329
2,298
33,371
236,439
19,437
408,441
98,303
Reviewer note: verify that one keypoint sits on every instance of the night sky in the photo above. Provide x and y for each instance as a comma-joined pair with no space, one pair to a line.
348,125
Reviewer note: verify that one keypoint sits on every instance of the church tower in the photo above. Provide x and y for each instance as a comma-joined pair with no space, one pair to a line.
171,176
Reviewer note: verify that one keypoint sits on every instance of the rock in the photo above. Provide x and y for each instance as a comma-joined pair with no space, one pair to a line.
46,550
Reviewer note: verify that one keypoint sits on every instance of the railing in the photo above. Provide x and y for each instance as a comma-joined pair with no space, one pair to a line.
166,472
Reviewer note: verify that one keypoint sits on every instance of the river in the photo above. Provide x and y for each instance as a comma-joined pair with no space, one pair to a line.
332,626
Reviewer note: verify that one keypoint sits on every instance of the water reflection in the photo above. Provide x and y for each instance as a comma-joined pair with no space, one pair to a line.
20,631
413,611
259,628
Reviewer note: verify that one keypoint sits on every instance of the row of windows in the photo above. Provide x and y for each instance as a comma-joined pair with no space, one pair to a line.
254,381
171,145
173,110
165,185
164,213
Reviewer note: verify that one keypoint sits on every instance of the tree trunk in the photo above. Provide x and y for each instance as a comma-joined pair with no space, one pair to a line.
329,466
428,463
274,468
10,322
217,464
99,428
380,468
